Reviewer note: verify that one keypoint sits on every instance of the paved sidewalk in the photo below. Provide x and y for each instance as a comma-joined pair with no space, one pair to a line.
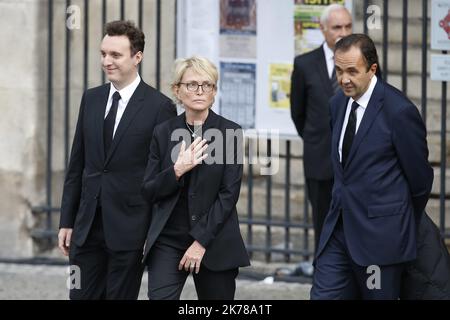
44,282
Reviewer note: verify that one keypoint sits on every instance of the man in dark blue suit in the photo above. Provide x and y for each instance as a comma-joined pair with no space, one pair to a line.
382,181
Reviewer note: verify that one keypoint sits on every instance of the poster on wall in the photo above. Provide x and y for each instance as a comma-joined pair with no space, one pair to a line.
279,85
250,92
307,33
237,29
197,29
440,67
440,25
237,93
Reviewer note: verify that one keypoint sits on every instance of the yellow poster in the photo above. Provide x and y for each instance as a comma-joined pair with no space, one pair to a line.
279,85
307,23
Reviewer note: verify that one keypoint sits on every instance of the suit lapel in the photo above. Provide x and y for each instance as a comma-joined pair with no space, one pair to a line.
134,105
374,106
210,122
337,128
323,71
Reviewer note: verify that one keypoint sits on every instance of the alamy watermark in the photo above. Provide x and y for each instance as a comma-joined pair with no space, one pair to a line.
262,147
73,20
74,279
374,17
373,22
374,280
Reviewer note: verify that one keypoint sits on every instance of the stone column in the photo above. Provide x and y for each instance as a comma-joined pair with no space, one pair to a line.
22,122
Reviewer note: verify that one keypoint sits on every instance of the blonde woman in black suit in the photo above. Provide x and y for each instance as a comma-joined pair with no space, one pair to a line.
193,179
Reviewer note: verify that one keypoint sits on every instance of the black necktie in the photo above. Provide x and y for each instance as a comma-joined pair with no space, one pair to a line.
110,120
334,82
349,133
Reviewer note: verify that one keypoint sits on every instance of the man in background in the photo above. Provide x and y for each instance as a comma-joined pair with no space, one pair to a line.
313,83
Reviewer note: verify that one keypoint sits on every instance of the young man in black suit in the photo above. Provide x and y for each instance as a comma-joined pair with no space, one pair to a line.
313,83
104,219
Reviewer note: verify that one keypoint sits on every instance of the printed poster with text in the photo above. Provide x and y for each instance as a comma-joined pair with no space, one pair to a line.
237,29
237,93
440,25
308,35
279,85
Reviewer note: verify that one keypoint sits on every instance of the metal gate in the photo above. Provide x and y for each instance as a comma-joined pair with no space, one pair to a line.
292,241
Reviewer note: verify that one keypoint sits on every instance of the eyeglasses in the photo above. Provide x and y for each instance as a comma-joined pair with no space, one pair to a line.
193,86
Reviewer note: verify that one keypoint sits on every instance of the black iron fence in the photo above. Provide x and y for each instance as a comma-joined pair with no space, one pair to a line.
292,240
50,209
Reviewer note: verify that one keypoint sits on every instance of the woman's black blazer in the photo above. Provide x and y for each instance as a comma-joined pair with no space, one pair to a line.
213,189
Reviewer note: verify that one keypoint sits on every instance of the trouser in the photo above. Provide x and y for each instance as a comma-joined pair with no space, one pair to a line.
319,194
166,282
104,273
337,276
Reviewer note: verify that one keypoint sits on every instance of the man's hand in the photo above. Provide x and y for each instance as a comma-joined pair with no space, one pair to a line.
192,258
190,157
64,236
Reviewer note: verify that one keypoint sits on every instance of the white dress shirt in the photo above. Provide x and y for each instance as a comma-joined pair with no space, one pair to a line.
125,95
329,58
363,101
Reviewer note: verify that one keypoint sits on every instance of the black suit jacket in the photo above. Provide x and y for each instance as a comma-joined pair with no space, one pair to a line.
113,181
311,90
213,190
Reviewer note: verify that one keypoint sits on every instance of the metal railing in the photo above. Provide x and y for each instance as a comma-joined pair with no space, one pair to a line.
258,226
51,206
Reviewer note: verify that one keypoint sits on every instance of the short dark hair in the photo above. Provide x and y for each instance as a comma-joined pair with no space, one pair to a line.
127,28
364,43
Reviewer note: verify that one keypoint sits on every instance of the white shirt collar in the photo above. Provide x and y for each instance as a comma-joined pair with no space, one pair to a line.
329,54
363,101
127,92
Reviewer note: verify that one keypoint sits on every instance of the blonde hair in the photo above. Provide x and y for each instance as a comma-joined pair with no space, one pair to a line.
199,65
